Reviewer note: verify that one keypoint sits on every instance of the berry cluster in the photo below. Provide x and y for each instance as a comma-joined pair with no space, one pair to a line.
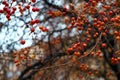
103,22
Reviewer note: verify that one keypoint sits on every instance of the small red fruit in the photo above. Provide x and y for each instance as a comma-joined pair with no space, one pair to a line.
8,17
77,53
95,20
32,29
4,2
105,20
32,22
16,61
84,45
46,29
1,11
22,42
37,21
14,8
104,45
13,0
34,9
111,13
33,1
28,6
41,27
70,49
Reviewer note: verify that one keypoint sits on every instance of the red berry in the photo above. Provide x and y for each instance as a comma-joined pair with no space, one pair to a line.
95,20
35,9
77,53
41,27
116,33
4,2
104,45
37,21
116,19
33,1
70,49
69,27
114,4
8,17
14,8
111,13
101,13
32,22
46,29
114,60
1,11
16,61
22,42
80,28
88,39
28,6
112,19
5,8
13,0
78,44
84,45
105,19
32,29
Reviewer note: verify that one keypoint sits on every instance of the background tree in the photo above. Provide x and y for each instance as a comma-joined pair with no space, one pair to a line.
67,32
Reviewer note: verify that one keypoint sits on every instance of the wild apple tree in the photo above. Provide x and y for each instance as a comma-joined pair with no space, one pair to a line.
73,28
